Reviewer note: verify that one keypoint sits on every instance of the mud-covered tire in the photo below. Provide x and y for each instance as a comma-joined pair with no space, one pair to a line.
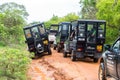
58,49
54,48
101,72
95,60
73,56
64,54
49,51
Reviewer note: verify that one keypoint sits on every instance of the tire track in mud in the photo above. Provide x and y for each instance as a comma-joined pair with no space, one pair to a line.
35,72
57,73
55,67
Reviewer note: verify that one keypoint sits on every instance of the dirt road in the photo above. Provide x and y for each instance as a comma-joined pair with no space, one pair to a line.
55,67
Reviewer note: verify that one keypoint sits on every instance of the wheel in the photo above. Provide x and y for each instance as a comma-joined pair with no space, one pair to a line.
54,48
58,49
49,51
101,72
64,54
95,60
73,56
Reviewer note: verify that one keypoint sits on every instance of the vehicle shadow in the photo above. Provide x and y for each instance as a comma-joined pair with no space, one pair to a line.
86,60
40,56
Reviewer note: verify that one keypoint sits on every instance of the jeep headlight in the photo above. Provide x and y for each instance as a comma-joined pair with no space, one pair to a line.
45,42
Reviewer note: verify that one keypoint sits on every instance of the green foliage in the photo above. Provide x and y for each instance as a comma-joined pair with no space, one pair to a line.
111,35
109,11
12,20
14,8
3,34
57,20
88,9
13,64
70,17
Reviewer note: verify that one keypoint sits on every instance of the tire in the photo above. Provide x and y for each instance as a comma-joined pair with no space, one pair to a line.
58,49
64,54
101,72
49,51
54,48
73,56
95,60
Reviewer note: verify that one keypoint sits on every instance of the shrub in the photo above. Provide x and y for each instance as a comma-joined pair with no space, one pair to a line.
13,64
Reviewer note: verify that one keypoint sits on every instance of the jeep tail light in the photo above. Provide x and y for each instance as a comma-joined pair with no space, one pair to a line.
62,42
79,49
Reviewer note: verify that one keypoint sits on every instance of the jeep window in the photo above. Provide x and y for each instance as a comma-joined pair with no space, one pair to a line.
81,29
27,33
116,46
42,30
59,28
91,32
54,28
101,30
65,27
35,31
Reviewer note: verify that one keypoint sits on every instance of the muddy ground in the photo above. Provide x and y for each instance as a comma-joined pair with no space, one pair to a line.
55,67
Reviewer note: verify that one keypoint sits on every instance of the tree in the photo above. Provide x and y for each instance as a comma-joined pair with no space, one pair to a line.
57,20
88,10
14,7
54,20
14,14
71,17
12,18
109,10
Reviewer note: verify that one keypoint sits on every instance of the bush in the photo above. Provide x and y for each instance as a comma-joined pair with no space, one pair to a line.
111,35
13,64
2,43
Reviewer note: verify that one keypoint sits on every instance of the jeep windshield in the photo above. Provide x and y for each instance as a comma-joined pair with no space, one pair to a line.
35,32
65,28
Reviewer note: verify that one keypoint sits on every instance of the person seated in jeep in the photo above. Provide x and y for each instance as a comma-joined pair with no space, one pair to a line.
91,34
73,34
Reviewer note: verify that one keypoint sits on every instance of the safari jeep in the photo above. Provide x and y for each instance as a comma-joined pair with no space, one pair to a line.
86,40
62,35
110,62
37,39
53,32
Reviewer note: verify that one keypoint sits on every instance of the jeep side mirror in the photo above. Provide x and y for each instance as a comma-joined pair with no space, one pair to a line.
107,47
